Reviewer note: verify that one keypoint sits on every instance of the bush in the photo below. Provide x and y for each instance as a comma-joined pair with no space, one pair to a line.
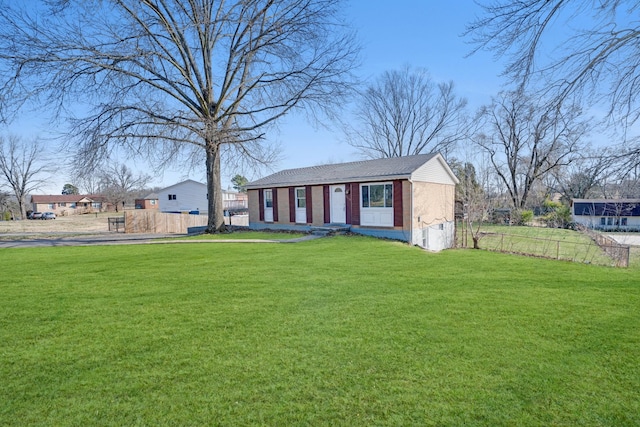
522,217
557,216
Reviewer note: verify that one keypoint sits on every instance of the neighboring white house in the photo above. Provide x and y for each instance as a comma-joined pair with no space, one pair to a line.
607,214
191,196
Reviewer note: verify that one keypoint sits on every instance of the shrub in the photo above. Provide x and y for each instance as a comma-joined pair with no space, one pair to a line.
557,215
522,217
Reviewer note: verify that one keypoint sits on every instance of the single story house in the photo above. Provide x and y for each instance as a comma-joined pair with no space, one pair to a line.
191,197
607,214
148,202
408,198
70,204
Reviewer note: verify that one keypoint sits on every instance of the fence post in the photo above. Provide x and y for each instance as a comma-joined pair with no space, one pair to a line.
558,249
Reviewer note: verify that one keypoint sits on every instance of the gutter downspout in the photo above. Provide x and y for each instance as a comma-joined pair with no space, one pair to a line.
410,212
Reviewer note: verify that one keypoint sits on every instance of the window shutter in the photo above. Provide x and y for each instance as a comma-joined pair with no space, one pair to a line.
326,204
309,204
274,192
355,203
397,203
292,204
261,204
347,201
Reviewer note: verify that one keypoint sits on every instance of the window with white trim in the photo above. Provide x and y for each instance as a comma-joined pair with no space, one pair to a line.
268,198
301,198
377,195
376,201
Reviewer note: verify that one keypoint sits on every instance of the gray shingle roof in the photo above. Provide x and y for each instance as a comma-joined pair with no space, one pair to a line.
378,169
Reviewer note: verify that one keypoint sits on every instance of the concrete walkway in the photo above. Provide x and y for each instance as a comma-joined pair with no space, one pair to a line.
34,240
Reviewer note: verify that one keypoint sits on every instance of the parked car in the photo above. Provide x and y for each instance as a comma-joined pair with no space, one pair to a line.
35,215
48,215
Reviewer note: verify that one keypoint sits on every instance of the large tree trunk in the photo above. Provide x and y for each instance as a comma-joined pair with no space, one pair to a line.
215,207
22,204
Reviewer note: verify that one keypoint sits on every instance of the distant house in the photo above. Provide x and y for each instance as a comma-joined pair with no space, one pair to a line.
148,202
191,197
404,198
607,214
70,204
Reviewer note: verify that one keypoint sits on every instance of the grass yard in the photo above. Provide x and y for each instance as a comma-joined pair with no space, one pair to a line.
337,331
554,243
245,235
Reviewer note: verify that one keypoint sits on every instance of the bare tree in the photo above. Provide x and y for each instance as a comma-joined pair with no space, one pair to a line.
6,206
589,47
22,167
583,177
118,183
471,197
175,77
88,182
627,188
404,113
526,141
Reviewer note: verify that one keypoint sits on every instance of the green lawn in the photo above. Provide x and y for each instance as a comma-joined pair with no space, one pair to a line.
337,331
245,235
554,243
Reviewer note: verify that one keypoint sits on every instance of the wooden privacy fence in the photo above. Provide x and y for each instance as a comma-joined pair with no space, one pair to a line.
148,221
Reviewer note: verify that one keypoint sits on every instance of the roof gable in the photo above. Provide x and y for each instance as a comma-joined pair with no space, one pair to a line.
188,182
64,198
435,170
361,171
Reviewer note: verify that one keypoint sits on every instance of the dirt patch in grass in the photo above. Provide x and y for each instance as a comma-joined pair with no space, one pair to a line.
69,224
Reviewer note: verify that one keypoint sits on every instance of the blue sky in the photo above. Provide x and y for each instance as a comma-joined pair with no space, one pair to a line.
419,33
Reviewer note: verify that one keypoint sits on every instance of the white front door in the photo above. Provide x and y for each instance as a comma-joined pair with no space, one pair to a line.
301,205
268,206
338,205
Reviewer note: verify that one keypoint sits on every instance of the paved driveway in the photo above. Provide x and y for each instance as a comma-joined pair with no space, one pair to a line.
626,239
25,240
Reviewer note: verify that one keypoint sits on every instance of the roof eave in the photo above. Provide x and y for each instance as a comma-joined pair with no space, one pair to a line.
329,181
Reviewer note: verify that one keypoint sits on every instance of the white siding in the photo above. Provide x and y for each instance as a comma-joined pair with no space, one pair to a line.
593,221
435,237
190,196
435,170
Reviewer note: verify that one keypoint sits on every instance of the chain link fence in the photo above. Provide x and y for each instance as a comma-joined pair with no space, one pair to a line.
595,249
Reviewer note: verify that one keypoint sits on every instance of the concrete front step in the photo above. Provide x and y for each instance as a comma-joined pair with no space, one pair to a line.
330,229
